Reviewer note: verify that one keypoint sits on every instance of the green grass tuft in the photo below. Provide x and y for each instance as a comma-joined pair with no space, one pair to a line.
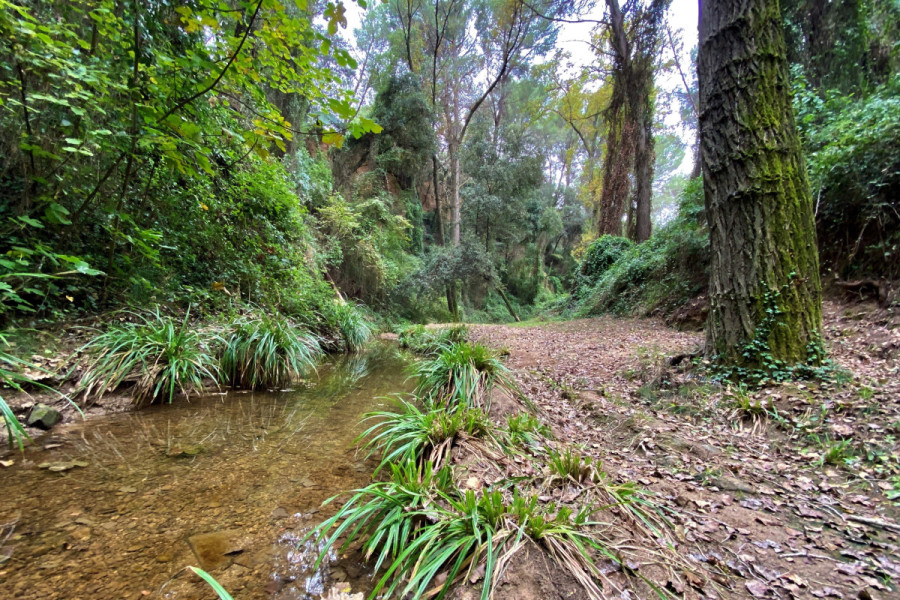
461,374
418,526
165,357
354,328
10,377
267,351
417,435
430,342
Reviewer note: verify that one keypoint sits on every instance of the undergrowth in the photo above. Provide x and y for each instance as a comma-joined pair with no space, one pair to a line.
422,435
165,356
461,374
266,351
425,341
419,525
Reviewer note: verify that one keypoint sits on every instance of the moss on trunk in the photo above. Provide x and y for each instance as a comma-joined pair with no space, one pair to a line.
764,281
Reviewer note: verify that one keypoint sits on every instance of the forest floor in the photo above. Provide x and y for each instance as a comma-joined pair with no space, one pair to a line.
787,497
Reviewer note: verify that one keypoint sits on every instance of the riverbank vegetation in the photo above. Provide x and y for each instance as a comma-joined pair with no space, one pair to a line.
202,196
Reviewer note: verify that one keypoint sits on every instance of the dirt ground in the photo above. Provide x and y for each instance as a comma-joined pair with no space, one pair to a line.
789,498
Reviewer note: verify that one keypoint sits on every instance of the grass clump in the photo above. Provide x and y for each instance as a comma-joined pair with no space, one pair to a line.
461,374
164,355
10,377
418,525
266,351
573,466
525,429
423,435
351,322
430,342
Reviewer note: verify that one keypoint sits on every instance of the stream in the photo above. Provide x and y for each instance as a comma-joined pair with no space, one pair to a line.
118,506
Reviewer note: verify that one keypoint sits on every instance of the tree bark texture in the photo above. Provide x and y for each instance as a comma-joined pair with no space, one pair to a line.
764,282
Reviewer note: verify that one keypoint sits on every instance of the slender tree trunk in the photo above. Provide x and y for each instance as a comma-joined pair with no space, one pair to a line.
438,217
764,283
453,147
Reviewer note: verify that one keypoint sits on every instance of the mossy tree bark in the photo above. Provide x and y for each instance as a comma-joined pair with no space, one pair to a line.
765,272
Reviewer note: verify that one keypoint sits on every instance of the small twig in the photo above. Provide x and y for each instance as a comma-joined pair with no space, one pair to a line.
808,554
878,523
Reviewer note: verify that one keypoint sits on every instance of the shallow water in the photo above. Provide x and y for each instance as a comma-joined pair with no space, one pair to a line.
250,468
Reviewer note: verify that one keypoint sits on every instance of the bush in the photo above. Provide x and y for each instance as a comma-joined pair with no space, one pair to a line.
854,168
417,435
420,526
598,258
163,355
350,321
431,342
664,272
10,377
267,351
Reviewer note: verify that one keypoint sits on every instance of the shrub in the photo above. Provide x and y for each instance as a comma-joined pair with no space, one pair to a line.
351,322
598,258
461,374
10,377
525,429
267,351
664,272
854,168
431,341
164,355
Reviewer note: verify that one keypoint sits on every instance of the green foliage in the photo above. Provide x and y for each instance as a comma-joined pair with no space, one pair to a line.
854,167
431,342
525,429
573,466
364,244
351,322
265,351
598,258
419,526
137,139
11,377
666,271
461,374
163,355
406,144
418,435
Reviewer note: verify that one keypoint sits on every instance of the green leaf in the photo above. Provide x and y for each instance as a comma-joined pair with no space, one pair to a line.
215,585
31,222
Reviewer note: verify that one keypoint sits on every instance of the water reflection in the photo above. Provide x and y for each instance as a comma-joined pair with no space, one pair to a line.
250,469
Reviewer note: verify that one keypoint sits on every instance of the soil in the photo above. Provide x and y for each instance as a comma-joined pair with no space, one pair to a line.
761,504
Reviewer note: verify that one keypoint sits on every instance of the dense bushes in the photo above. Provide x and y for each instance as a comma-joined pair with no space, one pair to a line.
664,272
854,166
598,258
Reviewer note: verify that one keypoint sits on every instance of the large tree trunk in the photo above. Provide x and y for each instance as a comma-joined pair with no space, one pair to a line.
765,293
617,163
644,153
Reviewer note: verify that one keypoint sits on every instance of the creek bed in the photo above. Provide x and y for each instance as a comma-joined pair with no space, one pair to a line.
116,506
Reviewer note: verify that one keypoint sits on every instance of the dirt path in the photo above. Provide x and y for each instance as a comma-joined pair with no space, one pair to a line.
788,498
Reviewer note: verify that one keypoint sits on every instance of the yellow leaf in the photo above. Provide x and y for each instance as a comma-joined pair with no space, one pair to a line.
204,206
70,298
333,138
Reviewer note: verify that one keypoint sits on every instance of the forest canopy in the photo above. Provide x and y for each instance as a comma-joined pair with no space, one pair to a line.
431,159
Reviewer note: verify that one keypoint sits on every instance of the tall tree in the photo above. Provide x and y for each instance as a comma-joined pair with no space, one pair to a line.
634,32
765,293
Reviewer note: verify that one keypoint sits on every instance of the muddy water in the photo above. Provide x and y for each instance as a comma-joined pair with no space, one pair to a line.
230,482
